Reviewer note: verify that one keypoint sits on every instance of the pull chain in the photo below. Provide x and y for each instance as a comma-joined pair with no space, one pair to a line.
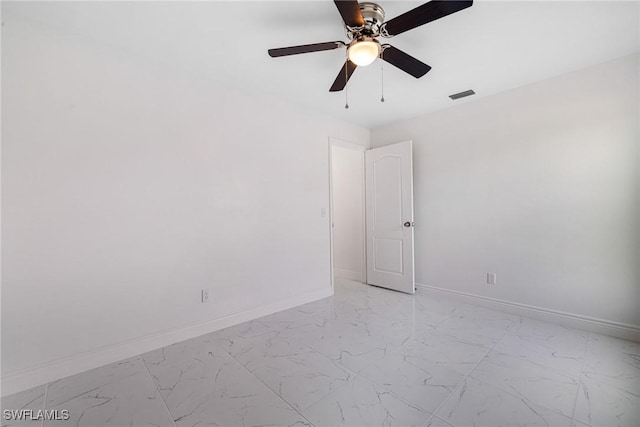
346,80
382,76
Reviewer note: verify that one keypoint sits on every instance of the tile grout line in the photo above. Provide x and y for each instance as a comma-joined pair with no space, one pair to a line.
584,360
155,386
467,376
44,403
449,316
375,384
516,395
334,362
426,423
433,414
434,417
525,399
346,368
412,338
266,385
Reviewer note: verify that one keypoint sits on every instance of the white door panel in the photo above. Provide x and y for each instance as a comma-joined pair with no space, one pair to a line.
389,194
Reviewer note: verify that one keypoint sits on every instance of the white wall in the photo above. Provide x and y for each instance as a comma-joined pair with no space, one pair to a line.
347,168
127,187
540,185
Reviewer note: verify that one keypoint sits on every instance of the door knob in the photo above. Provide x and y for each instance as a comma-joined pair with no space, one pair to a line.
408,224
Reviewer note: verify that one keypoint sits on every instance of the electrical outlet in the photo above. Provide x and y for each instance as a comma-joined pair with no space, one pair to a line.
491,278
205,295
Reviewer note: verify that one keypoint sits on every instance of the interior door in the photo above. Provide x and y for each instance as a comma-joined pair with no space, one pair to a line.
389,217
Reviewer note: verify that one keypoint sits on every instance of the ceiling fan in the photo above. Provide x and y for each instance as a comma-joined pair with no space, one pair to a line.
364,23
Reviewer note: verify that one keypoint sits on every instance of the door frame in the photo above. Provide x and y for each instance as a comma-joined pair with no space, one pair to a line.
336,142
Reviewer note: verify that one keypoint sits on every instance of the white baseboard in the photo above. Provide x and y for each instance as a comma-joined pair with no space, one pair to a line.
591,324
348,274
25,379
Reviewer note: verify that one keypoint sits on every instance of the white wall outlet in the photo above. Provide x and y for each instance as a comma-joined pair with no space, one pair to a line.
491,278
323,212
205,295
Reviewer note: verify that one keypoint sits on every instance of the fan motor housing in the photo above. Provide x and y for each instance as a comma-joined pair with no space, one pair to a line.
373,16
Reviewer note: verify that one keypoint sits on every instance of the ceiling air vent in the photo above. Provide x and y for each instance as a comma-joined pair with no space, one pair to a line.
462,94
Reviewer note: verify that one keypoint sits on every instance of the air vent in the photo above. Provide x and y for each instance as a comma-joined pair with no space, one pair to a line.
462,94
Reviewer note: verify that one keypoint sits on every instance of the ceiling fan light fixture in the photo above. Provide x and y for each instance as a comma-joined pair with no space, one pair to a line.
363,52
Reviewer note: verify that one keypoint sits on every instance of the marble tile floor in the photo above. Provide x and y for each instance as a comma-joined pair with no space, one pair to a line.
364,357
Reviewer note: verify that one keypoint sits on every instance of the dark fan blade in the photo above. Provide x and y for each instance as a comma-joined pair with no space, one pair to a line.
405,62
343,76
350,12
305,48
423,14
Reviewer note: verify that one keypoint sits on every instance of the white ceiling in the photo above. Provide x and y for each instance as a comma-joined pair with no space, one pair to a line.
491,47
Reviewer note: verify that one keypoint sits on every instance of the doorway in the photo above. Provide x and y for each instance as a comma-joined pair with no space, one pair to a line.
347,187
371,197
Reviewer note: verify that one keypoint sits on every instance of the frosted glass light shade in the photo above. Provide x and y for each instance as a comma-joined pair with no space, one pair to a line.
363,52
